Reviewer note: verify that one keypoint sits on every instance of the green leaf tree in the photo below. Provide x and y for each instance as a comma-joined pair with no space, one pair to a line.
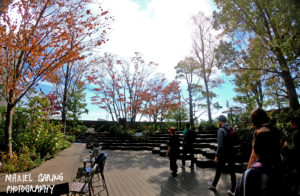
76,105
276,24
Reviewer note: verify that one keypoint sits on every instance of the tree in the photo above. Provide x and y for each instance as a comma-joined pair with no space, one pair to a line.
136,82
256,77
277,94
275,24
204,44
65,79
180,115
120,85
76,105
46,35
161,98
249,86
188,70
3,5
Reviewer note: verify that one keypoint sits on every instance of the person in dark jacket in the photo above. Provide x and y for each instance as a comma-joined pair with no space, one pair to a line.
259,118
173,150
224,155
264,176
188,145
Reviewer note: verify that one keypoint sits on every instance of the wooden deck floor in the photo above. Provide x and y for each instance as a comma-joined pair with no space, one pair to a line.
141,173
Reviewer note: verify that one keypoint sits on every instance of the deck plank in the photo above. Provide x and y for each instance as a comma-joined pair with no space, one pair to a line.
141,173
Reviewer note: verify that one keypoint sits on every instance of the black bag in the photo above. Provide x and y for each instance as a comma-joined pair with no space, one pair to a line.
233,140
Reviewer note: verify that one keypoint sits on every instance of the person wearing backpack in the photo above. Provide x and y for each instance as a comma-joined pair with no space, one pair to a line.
189,137
224,155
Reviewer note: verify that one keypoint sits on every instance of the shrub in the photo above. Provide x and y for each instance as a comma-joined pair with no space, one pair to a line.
25,160
35,138
206,125
281,119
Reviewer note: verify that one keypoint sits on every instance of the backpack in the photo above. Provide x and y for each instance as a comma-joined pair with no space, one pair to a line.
233,139
258,180
190,136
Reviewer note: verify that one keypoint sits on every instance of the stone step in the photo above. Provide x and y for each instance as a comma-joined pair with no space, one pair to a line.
206,140
208,152
207,135
117,147
126,144
118,140
162,153
198,135
208,131
159,141
163,146
156,150
159,138
204,162
130,144
206,145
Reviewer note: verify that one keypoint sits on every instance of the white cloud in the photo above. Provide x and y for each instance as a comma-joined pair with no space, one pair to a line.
160,31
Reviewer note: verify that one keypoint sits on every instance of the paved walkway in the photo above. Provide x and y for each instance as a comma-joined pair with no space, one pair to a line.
128,173
141,173
58,171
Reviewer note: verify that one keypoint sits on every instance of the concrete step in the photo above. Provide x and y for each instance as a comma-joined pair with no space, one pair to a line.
208,131
206,140
207,135
162,153
127,144
158,141
163,146
204,162
208,152
119,147
156,150
159,138
206,145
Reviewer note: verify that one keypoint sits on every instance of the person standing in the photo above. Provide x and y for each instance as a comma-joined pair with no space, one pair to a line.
258,118
173,150
264,176
188,145
224,155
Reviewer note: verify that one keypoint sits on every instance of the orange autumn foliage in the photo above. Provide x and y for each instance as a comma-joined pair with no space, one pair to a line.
38,38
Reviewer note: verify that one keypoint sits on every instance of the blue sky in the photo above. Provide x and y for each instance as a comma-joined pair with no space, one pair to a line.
161,31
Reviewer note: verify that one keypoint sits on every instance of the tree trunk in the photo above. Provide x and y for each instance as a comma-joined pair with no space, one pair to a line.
64,101
64,112
288,80
261,95
191,107
207,98
10,110
180,119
